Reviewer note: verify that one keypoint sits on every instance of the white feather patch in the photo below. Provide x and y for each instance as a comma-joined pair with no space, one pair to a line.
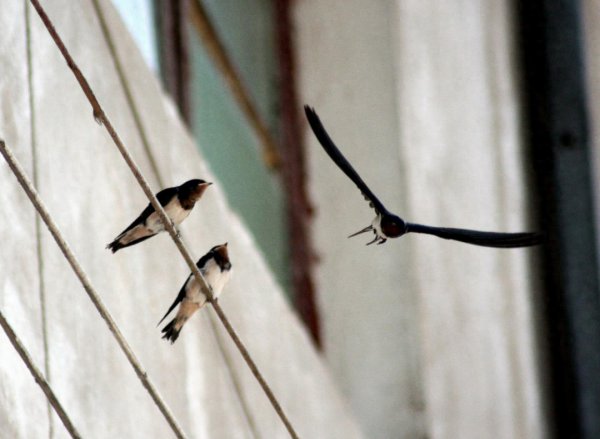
174,211
139,231
215,278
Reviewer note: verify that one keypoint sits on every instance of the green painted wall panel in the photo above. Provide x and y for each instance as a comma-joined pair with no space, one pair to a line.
234,154
228,143
247,29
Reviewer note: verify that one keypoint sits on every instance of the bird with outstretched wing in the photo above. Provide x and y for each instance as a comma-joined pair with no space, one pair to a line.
388,225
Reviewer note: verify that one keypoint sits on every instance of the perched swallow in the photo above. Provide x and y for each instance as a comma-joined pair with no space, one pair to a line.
177,201
216,269
387,225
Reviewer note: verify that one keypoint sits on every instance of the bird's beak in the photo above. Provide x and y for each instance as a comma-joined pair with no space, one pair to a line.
201,188
366,229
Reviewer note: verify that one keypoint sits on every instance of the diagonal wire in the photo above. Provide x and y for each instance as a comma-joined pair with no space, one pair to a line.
38,222
125,84
101,117
39,378
137,119
85,282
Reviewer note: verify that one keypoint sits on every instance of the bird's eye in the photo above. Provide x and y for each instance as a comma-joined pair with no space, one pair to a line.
393,227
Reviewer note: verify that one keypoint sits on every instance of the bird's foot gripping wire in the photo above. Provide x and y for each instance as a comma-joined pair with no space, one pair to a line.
177,231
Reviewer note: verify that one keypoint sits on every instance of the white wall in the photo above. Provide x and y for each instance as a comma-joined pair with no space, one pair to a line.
426,337
367,294
92,195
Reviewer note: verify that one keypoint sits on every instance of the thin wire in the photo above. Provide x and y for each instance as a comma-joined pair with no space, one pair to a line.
235,380
101,117
39,378
137,119
219,341
85,281
38,222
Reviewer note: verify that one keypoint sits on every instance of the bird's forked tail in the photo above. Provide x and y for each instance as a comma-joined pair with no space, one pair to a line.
173,328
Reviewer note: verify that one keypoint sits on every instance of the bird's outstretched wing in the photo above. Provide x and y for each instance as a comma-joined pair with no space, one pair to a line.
476,237
178,299
332,150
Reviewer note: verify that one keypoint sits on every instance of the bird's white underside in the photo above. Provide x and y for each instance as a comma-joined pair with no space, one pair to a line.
376,224
154,225
215,278
136,233
174,211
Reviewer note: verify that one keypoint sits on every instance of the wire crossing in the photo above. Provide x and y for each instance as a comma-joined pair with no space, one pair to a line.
100,116
87,286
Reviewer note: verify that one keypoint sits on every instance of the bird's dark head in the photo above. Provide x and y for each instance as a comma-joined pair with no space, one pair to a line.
221,256
392,226
384,226
192,190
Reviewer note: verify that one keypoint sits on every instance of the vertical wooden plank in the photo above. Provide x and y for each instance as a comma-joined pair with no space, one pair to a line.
294,176
557,113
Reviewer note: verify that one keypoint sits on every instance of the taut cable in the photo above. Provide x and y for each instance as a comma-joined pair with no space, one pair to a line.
101,117
87,286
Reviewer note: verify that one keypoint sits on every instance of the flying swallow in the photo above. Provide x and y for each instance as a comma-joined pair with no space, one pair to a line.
388,225
177,201
216,269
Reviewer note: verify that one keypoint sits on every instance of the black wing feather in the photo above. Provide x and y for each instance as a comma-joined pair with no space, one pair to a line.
476,237
332,150
163,198
116,245
201,262
179,298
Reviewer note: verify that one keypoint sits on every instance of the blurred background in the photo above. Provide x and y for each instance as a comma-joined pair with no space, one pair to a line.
459,114
481,114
